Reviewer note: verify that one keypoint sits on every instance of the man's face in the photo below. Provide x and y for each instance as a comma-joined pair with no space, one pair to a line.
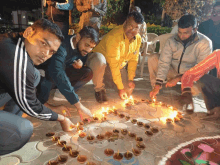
216,13
131,28
40,45
185,33
85,45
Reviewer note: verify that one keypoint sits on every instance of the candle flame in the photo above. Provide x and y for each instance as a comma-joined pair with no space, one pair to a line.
53,137
71,151
58,157
118,152
49,162
65,145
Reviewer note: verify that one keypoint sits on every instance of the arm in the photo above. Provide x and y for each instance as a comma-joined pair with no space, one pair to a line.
164,63
132,63
113,57
65,6
200,69
205,49
101,8
57,73
81,7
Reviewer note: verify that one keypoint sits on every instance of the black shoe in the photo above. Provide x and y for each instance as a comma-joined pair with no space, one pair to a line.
100,96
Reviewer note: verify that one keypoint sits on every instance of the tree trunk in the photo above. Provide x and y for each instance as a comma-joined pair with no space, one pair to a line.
163,16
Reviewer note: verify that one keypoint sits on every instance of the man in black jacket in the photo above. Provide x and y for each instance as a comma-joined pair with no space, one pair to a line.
18,80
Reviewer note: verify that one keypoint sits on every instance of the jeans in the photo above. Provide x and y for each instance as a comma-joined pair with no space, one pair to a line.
15,131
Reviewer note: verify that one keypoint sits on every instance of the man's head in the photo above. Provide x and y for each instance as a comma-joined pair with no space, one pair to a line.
132,24
42,40
135,8
86,40
187,26
216,12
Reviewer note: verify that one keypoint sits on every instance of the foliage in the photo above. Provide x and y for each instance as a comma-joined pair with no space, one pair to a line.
158,30
151,18
199,8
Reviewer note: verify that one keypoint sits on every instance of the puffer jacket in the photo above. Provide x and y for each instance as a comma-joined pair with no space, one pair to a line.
182,57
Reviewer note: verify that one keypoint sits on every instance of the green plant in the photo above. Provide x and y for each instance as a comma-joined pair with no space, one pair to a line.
158,30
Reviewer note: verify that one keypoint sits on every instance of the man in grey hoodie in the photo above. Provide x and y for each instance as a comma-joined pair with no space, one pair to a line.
181,52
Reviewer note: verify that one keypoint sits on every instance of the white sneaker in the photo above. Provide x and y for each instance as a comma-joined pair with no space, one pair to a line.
59,97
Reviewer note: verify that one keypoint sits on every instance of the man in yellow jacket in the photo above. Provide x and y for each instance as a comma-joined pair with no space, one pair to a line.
115,58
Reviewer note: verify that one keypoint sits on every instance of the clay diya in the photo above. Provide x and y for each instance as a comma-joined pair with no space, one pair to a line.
90,138
53,162
81,123
95,118
104,118
100,137
128,155
140,146
81,159
66,148
74,153
140,124
121,115
135,101
108,152
149,133
176,119
118,156
90,163
108,134
80,128
146,126
104,113
61,143
124,131
136,152
128,104
62,159
115,131
82,134
50,134
139,139
154,129
115,112
132,135
85,120
127,118
179,116
169,120
56,138
134,121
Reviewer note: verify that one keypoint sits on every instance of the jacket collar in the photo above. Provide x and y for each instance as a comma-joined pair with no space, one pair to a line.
194,39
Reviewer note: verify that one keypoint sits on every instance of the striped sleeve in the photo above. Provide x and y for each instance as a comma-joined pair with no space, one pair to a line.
24,90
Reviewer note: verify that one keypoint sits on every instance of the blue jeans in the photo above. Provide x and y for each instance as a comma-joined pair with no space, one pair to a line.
15,131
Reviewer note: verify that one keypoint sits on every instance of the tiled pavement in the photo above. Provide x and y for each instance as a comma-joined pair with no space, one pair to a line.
40,149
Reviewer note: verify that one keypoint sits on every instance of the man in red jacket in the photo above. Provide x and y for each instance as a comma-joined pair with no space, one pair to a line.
209,85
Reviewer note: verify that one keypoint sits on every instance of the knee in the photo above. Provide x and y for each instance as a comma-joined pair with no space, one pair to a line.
98,60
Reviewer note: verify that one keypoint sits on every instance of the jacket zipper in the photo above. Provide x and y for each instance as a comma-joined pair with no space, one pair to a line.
181,59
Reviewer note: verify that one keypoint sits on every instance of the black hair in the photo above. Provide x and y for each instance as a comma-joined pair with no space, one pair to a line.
186,21
51,27
138,17
216,4
136,8
89,32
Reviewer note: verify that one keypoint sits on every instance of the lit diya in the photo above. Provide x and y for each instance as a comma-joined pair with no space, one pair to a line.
90,163
124,131
154,129
108,152
85,120
121,115
132,135
140,146
82,134
115,131
55,139
176,119
127,118
134,121
62,159
53,162
140,124
115,112
169,120
74,153
118,156
66,148
147,126
149,133
136,152
81,159
139,139
95,118
90,138
128,155
100,137
50,134
179,116
61,143
108,134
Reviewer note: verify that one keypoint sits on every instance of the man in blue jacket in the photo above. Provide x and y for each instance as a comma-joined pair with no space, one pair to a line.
66,69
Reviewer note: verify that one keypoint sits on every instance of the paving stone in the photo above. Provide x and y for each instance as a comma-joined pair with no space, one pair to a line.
9,160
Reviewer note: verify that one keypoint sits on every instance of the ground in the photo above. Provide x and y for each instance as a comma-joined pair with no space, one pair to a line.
40,149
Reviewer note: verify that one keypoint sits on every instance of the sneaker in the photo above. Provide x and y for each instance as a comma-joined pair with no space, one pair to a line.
101,96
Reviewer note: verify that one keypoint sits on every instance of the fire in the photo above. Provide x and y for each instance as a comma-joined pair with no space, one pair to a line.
169,114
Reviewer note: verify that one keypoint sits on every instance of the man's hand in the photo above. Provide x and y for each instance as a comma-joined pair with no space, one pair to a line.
65,123
83,109
173,82
77,64
131,84
155,91
122,93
